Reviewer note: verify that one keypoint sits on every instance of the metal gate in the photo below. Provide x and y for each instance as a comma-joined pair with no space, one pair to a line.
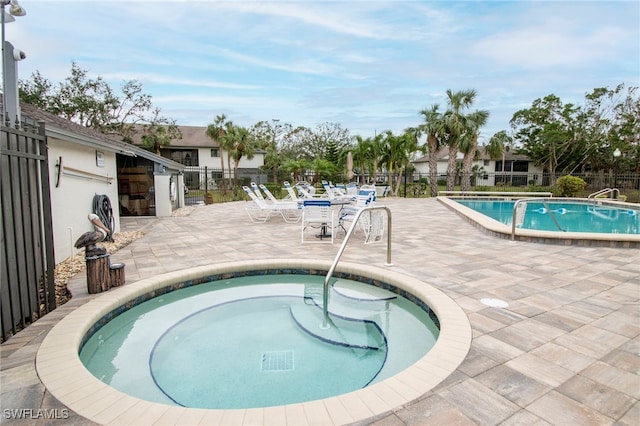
28,286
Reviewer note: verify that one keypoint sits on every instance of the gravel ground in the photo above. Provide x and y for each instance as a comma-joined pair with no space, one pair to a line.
70,267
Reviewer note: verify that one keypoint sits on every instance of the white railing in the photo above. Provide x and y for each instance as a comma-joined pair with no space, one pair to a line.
325,290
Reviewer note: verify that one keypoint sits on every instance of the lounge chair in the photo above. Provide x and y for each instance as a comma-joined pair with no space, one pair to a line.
306,190
317,221
334,193
292,192
273,198
366,198
260,211
256,190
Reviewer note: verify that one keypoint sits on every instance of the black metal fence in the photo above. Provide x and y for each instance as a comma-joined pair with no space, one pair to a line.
28,284
198,181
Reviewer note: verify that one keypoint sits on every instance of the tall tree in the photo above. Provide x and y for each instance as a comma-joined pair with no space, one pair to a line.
216,132
469,147
498,145
434,129
398,151
239,143
271,136
91,102
455,120
156,136
548,133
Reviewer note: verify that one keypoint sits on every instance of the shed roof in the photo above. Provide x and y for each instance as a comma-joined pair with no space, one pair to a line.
192,137
64,129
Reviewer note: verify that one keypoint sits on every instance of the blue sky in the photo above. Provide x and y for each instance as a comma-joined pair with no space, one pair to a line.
368,65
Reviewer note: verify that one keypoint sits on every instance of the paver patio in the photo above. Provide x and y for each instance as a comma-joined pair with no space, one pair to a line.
565,351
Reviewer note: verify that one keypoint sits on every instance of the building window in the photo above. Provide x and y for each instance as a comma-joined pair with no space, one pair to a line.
486,163
215,152
188,157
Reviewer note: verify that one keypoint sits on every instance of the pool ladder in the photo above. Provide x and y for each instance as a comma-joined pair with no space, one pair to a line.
615,193
523,204
325,289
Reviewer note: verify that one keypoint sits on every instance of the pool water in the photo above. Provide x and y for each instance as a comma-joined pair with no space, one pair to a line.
257,341
570,216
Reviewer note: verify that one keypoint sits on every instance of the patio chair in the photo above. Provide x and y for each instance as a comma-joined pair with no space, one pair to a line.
260,211
317,221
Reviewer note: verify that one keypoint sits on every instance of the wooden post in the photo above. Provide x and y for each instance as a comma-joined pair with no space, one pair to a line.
97,273
101,275
116,274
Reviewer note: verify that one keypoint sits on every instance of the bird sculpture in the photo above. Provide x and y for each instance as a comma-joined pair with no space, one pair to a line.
88,240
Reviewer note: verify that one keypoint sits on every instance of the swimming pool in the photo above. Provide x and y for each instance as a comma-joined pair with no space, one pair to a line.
562,215
61,371
258,341
569,222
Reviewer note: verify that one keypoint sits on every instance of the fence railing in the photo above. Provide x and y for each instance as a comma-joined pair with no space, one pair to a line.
28,285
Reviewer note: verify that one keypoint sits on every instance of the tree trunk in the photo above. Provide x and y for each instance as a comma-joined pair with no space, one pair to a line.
467,165
451,167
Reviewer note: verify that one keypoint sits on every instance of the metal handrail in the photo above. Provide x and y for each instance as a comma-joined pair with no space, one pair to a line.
613,191
325,293
544,203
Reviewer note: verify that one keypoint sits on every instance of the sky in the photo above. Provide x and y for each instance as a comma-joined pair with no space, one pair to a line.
367,65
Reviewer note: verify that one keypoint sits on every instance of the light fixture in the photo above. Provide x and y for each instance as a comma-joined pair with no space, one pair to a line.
617,153
10,104
15,9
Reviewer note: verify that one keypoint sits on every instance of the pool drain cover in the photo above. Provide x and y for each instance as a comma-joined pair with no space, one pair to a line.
277,361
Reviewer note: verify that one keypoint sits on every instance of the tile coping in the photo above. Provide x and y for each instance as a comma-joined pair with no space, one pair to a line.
63,374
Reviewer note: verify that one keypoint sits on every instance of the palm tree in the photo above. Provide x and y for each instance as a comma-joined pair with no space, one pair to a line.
362,156
469,145
455,121
396,155
498,145
239,143
433,127
216,132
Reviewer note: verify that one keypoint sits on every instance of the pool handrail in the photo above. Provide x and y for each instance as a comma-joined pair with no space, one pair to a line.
325,289
544,202
615,193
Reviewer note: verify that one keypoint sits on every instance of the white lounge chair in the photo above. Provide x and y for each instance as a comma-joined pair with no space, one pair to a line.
256,190
366,198
260,211
317,221
334,193
273,198
306,190
292,192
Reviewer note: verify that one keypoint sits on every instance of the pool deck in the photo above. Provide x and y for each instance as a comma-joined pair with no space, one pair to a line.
565,351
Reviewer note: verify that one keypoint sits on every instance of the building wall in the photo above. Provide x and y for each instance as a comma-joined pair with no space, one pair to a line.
533,172
72,198
205,159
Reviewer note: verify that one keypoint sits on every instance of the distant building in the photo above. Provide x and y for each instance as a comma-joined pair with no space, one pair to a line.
198,151
519,170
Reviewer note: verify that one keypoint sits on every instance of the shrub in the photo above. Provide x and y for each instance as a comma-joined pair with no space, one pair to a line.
569,186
